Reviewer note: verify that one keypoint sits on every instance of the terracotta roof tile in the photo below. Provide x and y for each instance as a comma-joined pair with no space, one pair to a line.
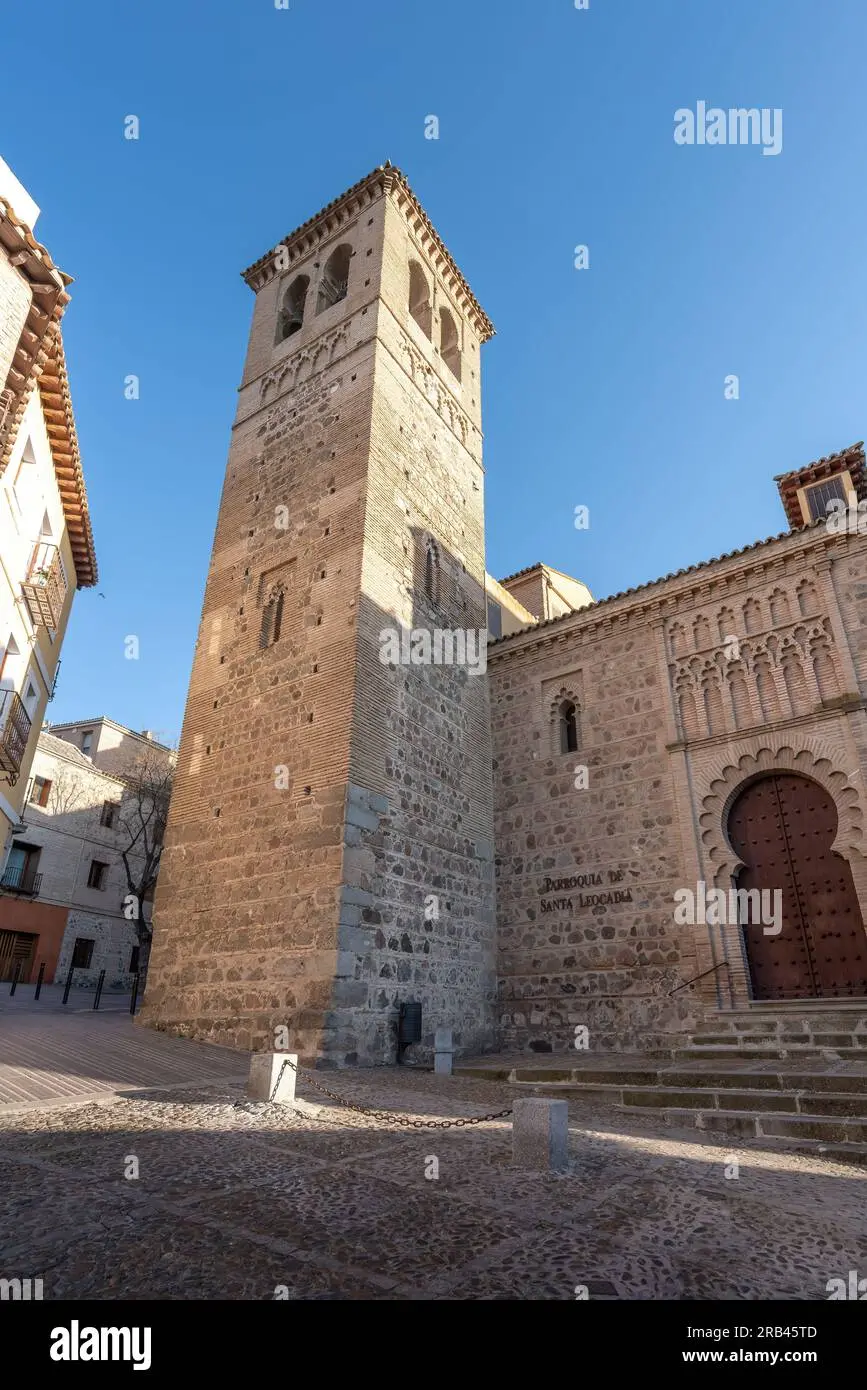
53,384
591,608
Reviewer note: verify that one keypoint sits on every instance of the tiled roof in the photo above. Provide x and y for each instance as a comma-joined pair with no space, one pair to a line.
60,748
48,301
56,401
390,176
528,569
106,719
654,583
40,362
857,449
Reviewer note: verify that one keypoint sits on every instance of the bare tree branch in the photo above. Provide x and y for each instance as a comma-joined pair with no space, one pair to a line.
66,792
141,826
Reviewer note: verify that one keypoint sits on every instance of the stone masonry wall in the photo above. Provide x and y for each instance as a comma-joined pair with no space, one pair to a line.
304,904
246,907
586,874
418,910
687,691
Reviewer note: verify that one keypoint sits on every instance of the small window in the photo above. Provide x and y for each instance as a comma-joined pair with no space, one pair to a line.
291,318
495,619
96,874
820,494
334,284
30,698
133,960
107,816
450,349
82,952
39,791
87,742
272,620
568,727
431,573
24,486
419,298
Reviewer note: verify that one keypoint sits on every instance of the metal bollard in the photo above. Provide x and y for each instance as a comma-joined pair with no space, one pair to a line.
133,1000
15,978
39,980
99,985
68,985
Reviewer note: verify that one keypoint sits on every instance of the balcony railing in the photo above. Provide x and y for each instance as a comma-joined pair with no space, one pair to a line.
44,588
14,732
20,879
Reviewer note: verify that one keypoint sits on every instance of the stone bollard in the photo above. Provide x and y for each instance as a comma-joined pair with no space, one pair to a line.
540,1134
265,1068
443,1052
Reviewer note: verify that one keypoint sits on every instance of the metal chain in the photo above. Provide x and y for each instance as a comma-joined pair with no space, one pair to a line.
386,1115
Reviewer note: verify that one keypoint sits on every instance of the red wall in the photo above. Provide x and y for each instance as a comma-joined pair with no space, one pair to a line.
46,922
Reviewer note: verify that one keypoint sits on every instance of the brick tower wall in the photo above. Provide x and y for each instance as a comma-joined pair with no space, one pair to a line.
246,908
310,778
418,914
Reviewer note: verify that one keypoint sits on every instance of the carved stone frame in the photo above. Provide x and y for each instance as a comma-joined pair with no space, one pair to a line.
735,771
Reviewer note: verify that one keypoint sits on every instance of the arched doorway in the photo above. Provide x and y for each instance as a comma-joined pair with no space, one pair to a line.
782,826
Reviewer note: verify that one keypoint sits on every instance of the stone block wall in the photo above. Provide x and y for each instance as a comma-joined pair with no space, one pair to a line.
586,873
323,797
686,690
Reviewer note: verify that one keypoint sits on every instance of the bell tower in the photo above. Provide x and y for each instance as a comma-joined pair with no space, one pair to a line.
329,854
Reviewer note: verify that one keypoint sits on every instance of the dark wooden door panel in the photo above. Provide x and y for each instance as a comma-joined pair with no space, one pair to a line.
782,827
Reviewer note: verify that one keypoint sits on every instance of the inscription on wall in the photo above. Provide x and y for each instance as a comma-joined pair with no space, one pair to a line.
604,879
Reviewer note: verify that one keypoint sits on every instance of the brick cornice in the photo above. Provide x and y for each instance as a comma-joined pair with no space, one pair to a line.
730,574
387,180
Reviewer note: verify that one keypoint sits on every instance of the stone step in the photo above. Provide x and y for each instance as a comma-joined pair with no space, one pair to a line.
853,1021
851,1105
601,1076
766,1051
746,1124
817,1148
850,1011
781,1027
744,1097
811,1109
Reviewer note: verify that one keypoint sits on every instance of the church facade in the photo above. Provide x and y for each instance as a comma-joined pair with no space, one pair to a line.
401,781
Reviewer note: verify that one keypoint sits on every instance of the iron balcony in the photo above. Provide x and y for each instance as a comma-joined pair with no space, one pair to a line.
19,879
14,732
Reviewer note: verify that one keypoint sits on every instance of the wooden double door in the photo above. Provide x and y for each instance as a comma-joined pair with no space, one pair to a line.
782,827
17,948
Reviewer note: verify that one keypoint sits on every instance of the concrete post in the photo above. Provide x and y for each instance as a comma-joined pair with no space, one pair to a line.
540,1134
265,1068
443,1052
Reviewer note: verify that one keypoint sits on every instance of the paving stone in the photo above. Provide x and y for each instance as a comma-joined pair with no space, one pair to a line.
234,1199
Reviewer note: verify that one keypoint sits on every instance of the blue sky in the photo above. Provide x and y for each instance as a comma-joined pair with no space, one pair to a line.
603,388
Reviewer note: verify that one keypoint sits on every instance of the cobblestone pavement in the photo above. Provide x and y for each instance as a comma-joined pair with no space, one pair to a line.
238,1200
